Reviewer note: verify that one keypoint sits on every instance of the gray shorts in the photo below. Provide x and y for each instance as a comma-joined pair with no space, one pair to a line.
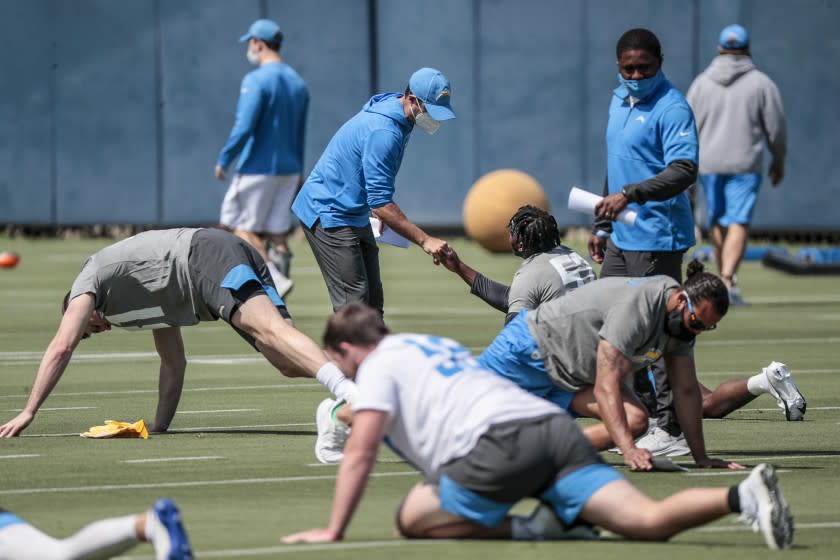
226,271
349,261
522,459
641,263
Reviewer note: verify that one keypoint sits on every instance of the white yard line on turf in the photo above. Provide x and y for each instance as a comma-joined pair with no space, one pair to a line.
296,548
729,473
781,457
52,409
337,464
26,456
188,484
810,409
796,526
168,459
194,429
282,549
10,358
187,390
218,410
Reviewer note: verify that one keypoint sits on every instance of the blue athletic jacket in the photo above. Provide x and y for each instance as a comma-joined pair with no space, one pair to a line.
357,170
641,141
270,126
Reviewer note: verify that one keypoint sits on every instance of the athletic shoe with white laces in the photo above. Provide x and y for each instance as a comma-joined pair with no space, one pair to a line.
169,537
661,443
764,508
332,435
785,391
544,525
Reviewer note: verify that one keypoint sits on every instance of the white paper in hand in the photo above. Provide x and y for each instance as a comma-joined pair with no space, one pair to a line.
585,201
383,234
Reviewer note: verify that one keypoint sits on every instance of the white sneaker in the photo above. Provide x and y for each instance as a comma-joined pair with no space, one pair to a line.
659,443
785,392
281,283
544,525
332,436
651,425
735,297
764,508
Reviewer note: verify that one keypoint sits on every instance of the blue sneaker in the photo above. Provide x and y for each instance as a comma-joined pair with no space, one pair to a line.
170,538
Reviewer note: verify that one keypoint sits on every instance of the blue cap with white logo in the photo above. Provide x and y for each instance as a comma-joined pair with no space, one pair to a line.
433,89
734,37
262,29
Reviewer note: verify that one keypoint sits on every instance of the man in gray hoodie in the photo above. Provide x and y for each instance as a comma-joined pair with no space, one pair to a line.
737,109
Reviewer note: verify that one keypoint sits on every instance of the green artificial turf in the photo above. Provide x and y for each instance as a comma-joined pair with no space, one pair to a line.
240,460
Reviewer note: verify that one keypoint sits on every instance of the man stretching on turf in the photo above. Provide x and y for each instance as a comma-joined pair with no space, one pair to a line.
483,444
167,279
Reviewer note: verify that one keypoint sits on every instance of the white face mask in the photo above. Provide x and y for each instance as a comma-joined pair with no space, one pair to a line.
252,57
425,122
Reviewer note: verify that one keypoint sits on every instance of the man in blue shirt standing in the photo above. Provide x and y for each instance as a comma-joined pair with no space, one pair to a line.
354,178
268,138
651,161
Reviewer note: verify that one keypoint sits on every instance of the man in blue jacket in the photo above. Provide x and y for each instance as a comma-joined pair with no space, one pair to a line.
354,178
651,161
268,138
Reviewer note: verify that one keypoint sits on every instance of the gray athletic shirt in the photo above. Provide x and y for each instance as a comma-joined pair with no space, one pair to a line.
629,313
541,277
546,276
143,282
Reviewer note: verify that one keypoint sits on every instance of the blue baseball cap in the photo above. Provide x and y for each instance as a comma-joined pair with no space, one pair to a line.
433,89
734,37
262,29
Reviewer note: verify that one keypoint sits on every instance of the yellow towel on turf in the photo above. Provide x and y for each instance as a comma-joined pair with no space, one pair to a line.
116,429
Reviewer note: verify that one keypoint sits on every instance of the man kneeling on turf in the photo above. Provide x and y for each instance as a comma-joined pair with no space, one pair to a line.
483,444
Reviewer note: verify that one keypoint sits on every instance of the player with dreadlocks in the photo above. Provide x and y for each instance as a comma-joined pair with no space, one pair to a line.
550,269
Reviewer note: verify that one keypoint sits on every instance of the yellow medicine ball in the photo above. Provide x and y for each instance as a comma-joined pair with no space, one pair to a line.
491,202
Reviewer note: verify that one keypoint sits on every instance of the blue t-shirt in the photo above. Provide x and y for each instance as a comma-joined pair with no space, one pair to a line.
641,141
269,131
358,168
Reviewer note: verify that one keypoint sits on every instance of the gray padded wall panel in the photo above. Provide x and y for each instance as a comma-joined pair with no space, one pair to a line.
26,190
532,93
437,170
119,116
105,112
202,64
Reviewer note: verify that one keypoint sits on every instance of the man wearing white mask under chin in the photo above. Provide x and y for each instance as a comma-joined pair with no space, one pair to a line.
354,179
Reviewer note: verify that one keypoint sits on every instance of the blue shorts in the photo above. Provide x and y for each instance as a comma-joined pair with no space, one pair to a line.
7,519
514,354
731,199
567,496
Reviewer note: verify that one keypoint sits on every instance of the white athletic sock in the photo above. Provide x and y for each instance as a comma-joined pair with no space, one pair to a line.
102,539
331,377
749,506
758,384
